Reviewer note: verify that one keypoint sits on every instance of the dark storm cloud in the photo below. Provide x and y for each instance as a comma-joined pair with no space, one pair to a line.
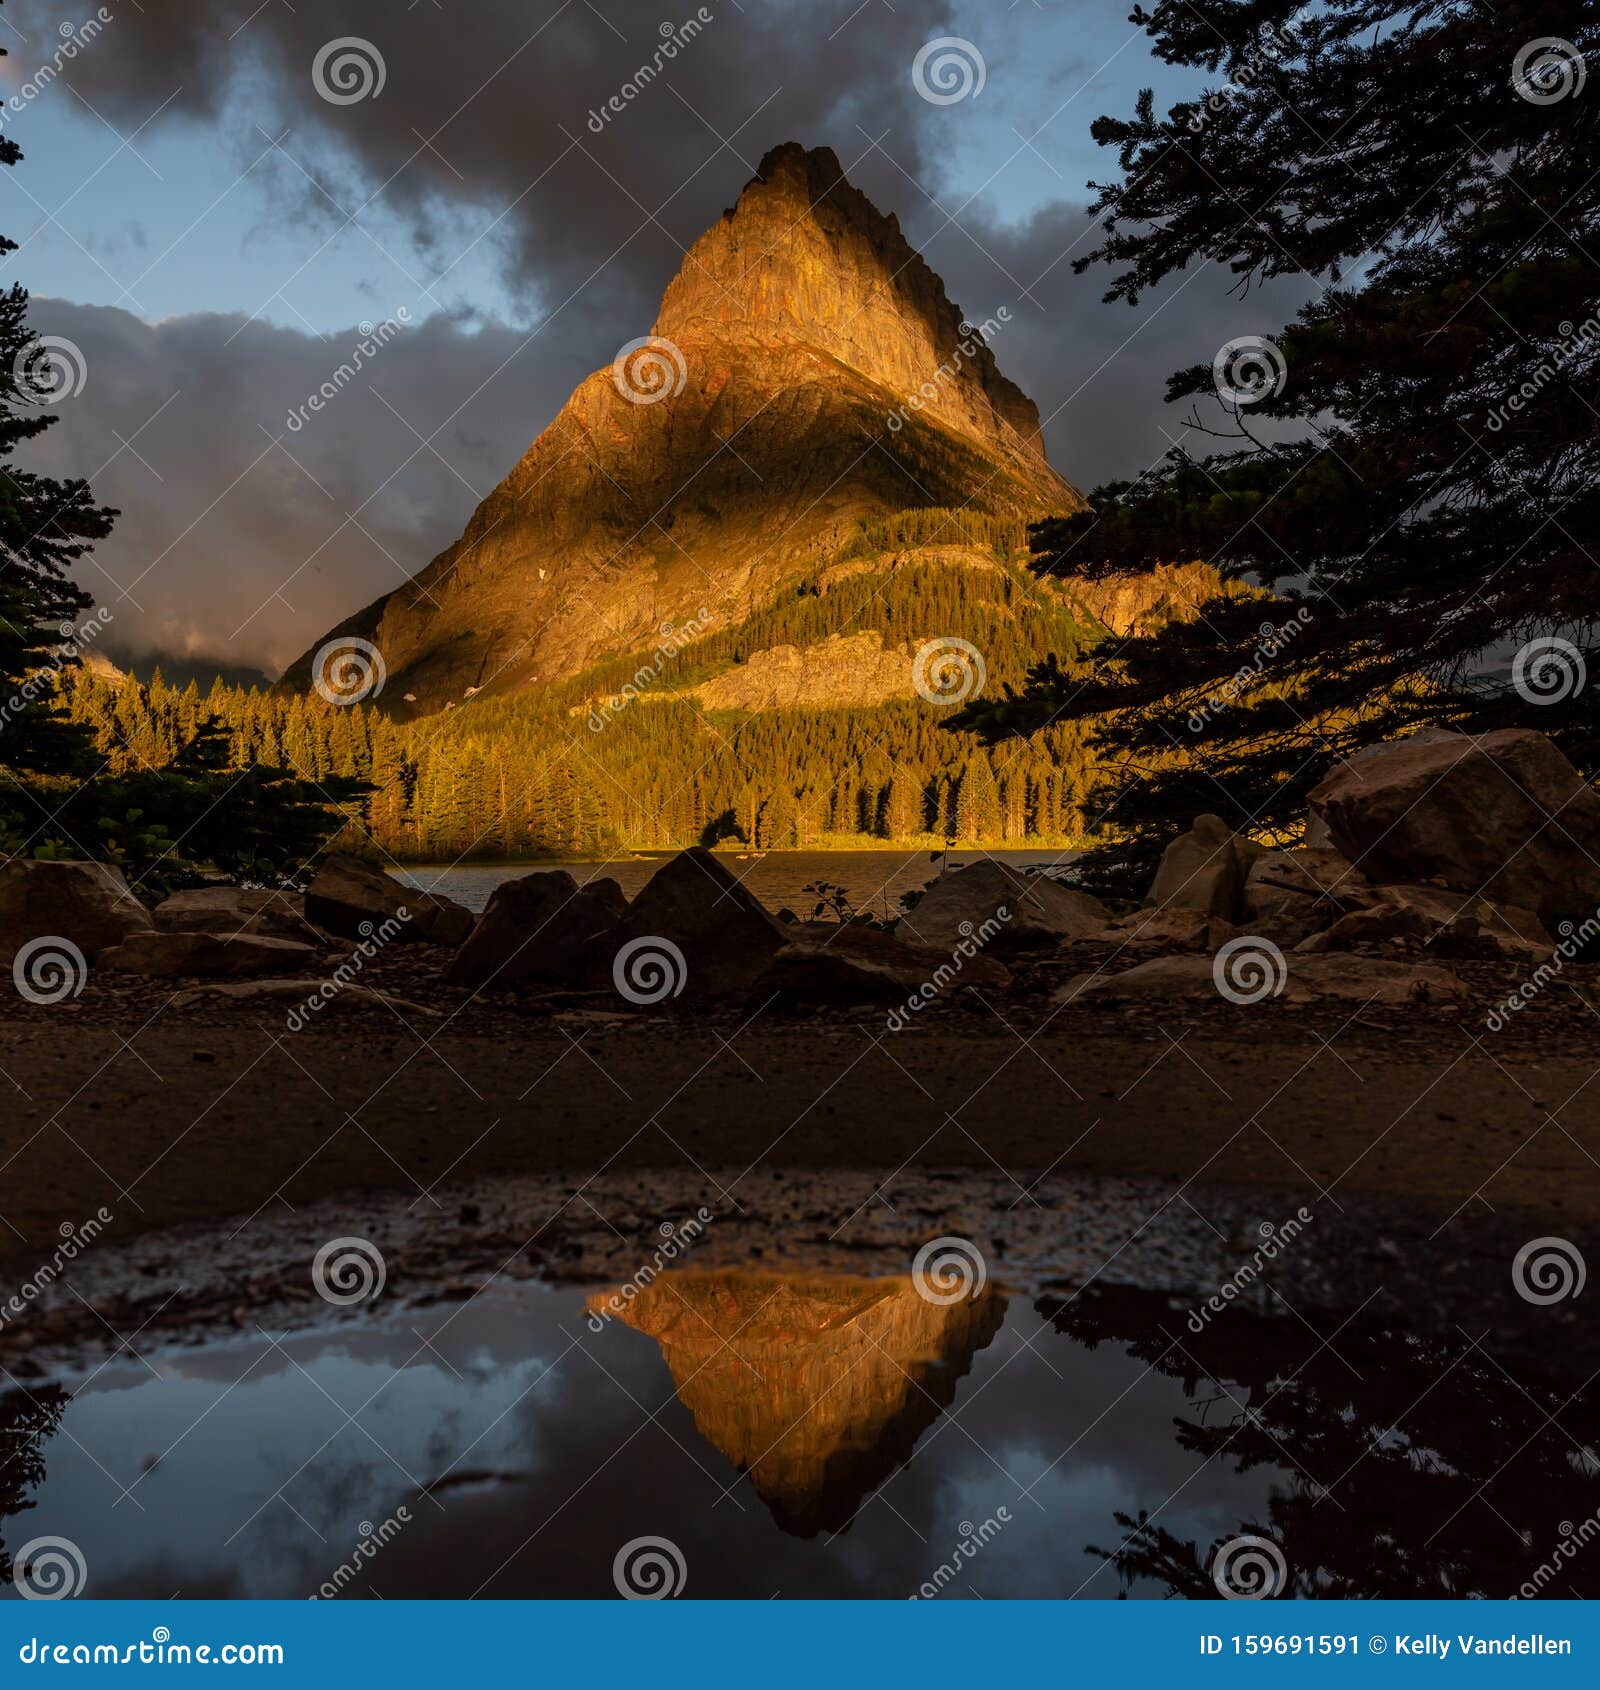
234,546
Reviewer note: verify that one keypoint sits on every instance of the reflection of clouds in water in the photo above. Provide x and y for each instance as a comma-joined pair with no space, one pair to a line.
591,1469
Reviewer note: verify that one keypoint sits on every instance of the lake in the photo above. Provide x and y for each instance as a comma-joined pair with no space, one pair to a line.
873,880
750,1433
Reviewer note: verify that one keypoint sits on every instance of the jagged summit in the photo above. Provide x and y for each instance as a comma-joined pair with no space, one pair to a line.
806,372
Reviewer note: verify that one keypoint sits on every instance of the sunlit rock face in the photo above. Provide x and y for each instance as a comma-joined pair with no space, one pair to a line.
816,1386
808,372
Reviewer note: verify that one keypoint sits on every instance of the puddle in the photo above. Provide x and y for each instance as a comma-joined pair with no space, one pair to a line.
802,1435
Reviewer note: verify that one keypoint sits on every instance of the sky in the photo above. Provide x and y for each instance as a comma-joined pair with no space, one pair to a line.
218,199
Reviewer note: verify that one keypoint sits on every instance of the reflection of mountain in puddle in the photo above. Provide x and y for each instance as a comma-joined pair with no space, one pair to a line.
817,1386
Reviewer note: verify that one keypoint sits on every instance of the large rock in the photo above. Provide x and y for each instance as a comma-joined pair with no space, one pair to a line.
1304,979
1503,815
1200,870
1289,895
1005,910
356,901
1167,930
207,955
234,912
1454,923
848,962
693,933
88,904
535,929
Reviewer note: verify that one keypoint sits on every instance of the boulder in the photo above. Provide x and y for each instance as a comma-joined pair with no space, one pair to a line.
1200,870
693,933
1453,923
1305,980
314,998
1171,930
1501,815
206,955
235,911
88,904
356,901
848,962
1289,895
967,904
535,929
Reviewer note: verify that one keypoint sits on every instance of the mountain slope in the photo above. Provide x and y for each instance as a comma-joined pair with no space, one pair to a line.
806,373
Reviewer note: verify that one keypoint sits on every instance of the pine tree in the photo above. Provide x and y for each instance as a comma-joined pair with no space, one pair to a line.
1411,463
